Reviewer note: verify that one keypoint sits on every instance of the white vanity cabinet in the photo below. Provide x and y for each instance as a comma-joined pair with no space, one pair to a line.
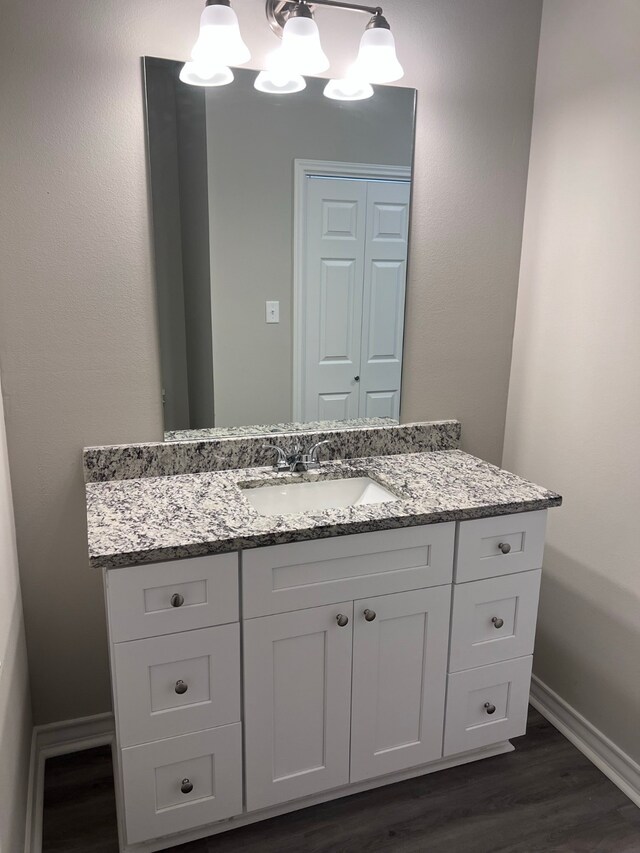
495,603
338,691
175,661
249,684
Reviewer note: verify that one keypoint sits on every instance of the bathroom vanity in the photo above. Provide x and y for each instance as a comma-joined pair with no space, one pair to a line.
265,662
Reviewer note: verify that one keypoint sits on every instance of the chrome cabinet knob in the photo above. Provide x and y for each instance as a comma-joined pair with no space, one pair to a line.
369,615
504,547
186,786
489,708
177,600
497,622
342,620
181,687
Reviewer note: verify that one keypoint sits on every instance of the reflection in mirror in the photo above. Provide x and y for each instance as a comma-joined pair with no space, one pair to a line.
281,243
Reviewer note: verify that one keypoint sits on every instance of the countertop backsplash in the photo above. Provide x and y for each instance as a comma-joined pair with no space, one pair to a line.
159,459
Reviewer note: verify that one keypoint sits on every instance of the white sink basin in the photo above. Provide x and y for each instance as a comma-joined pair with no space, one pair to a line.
290,498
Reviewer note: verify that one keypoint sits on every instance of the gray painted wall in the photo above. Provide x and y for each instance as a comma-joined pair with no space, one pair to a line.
78,331
180,213
15,701
574,403
253,140
166,218
196,273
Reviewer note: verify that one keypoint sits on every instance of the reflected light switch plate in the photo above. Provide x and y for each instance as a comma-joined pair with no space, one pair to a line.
273,312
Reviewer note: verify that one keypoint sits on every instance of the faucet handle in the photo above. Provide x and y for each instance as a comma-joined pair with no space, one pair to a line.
313,450
282,462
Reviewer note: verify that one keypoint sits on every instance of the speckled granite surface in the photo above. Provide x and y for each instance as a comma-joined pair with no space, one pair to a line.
274,429
159,459
163,518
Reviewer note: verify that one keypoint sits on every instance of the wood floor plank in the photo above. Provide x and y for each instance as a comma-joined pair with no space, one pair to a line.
545,797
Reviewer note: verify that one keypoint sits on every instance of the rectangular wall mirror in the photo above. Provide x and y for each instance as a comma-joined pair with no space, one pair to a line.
280,226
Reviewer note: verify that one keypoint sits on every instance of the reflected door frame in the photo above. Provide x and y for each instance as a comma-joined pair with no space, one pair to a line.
304,169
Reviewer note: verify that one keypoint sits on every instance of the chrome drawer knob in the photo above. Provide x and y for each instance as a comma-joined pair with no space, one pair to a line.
489,708
504,547
181,687
369,615
497,622
342,620
186,786
177,600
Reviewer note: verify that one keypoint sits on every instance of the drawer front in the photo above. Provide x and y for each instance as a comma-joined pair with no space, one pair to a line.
487,705
182,783
164,598
326,571
494,620
490,547
179,683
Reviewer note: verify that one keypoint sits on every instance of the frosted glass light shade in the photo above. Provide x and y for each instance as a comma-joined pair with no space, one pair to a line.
377,61
203,75
301,49
219,41
348,89
279,83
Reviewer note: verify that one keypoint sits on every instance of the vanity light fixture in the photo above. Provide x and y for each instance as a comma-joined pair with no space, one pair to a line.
301,51
202,75
377,61
348,89
278,82
220,45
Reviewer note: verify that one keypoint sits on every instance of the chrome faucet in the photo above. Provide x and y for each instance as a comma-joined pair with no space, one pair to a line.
298,459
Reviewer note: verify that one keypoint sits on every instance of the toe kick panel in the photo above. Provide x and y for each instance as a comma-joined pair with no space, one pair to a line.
487,705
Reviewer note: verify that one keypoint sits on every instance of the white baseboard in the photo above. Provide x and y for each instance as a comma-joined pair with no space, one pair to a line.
620,768
58,739
87,732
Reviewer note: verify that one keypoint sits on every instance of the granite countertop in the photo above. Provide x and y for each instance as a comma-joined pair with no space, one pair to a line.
163,518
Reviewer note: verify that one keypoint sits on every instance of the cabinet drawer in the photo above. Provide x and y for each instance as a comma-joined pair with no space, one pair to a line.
179,683
181,783
490,547
326,571
494,620
163,598
487,705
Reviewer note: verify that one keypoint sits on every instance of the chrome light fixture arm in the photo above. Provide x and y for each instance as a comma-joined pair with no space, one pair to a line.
279,11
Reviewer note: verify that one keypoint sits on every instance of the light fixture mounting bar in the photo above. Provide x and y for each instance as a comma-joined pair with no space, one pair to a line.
278,11
355,7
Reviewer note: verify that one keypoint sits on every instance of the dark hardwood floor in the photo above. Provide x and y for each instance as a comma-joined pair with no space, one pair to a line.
543,798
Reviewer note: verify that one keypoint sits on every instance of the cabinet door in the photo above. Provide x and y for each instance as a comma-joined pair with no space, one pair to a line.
297,671
400,647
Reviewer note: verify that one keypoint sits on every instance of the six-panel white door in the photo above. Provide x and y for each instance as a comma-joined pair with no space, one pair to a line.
400,645
297,675
385,275
355,256
334,272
